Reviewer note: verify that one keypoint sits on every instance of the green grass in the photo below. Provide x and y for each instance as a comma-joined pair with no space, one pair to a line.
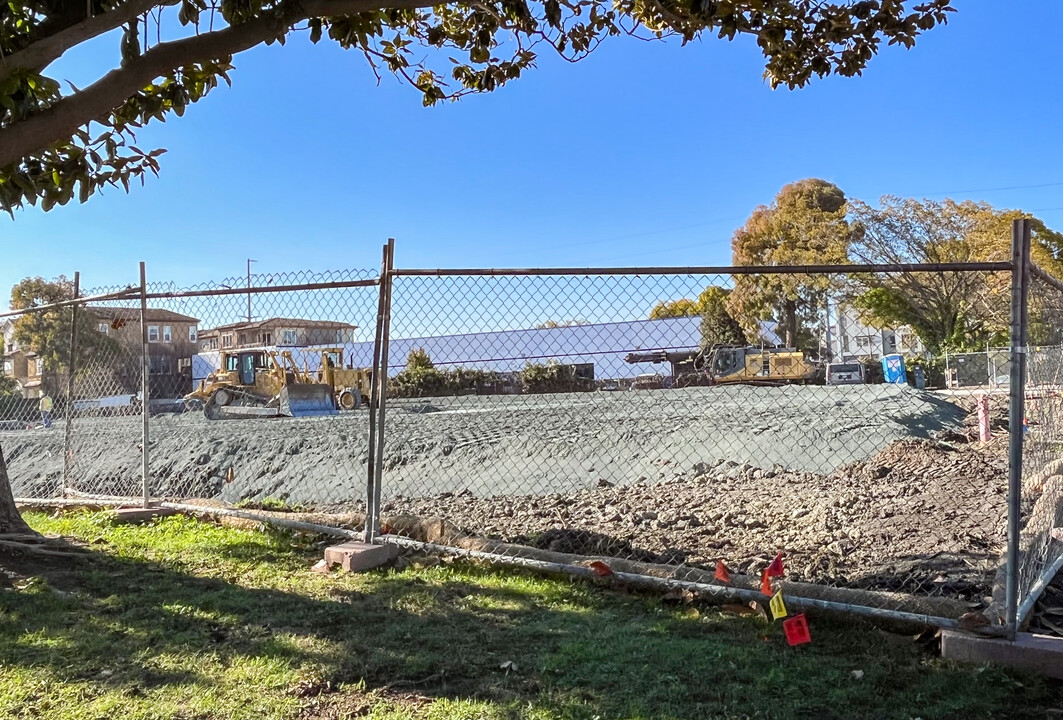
186,620
269,503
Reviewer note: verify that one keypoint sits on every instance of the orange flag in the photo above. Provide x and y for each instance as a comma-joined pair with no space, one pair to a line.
765,584
722,573
775,569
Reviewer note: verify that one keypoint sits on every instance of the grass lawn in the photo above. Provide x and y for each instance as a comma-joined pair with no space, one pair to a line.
188,620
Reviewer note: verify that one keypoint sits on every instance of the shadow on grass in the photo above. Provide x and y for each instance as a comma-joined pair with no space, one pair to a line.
134,625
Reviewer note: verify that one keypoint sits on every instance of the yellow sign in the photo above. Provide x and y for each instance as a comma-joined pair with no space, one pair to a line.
778,608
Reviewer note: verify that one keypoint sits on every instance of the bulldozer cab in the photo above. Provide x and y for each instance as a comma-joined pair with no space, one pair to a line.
246,365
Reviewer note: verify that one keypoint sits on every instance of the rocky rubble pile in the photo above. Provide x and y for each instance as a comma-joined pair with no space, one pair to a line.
922,516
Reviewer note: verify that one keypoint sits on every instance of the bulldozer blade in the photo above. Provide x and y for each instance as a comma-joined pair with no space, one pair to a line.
307,400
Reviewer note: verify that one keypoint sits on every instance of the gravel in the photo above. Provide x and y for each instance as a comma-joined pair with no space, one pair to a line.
867,486
487,445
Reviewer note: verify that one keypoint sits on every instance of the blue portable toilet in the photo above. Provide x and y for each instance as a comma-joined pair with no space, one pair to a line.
893,369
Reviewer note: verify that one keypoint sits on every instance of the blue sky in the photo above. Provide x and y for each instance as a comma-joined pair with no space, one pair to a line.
645,153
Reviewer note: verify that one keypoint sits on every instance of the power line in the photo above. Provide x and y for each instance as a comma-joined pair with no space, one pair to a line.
995,189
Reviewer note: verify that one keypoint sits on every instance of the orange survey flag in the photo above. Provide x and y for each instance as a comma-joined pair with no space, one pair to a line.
765,584
775,569
722,573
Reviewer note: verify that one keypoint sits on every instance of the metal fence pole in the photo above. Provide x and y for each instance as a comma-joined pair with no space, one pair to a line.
71,368
382,386
372,516
144,412
1020,256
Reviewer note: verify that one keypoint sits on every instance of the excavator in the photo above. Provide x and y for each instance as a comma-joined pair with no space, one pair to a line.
734,364
750,365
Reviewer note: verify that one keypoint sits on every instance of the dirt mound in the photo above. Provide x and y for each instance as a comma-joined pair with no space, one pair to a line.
922,515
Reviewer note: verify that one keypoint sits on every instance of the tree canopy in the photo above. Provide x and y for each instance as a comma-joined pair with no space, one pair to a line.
47,332
806,224
955,310
58,141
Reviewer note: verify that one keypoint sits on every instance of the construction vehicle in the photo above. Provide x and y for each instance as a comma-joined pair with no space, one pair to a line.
734,364
350,385
751,365
260,383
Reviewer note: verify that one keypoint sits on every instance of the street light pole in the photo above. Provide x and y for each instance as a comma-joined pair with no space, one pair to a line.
249,261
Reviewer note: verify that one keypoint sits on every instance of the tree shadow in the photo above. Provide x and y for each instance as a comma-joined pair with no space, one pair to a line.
577,650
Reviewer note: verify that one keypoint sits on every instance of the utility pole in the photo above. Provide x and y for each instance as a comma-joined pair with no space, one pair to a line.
249,261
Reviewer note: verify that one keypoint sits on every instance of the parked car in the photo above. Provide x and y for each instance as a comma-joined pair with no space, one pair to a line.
845,373
648,381
609,385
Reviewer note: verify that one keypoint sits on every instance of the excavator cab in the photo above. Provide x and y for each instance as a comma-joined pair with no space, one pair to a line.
724,361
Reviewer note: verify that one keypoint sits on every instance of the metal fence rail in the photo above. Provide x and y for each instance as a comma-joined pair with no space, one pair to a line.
582,419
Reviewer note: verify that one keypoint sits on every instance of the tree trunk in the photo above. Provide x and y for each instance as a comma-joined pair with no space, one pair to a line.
10,519
790,323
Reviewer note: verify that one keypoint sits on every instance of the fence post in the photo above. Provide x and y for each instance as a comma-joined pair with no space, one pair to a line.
376,392
144,366
71,368
1020,273
385,339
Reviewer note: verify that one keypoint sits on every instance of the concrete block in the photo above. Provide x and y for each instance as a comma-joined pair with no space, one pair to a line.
355,556
1041,654
139,516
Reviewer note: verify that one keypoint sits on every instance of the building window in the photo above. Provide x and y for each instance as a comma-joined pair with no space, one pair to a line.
265,338
9,367
863,342
153,333
103,327
167,333
289,337
192,333
39,366
227,341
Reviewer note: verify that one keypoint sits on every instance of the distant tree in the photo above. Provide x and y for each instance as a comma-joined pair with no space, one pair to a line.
418,359
805,224
675,308
8,386
717,325
551,377
47,332
956,310
551,324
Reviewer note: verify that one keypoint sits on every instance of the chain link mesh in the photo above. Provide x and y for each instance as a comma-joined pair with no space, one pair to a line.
555,416
572,417
1041,539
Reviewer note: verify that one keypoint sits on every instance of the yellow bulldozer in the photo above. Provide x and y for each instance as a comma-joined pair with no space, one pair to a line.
267,383
259,383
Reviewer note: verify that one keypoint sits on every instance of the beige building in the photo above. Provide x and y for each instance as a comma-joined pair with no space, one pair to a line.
24,366
277,332
172,341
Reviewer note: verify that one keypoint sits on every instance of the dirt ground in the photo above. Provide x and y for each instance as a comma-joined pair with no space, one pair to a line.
866,486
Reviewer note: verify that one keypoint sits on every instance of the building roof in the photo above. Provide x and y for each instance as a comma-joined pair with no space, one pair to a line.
133,314
287,322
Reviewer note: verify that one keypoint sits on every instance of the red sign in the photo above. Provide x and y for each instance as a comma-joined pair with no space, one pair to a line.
796,629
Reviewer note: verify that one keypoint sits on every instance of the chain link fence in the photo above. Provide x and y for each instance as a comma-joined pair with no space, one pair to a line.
571,417
600,422
1041,541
